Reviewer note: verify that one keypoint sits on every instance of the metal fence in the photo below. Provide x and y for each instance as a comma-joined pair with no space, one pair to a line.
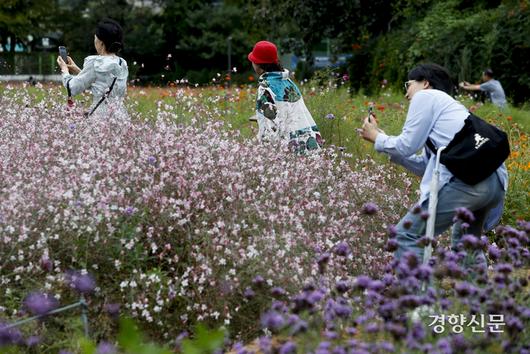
36,63
80,304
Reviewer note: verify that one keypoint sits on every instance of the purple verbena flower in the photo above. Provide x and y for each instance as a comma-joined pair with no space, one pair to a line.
392,231
342,286
424,272
83,283
362,282
464,289
464,215
376,285
129,211
409,301
315,296
396,329
514,325
470,241
39,303
151,160
331,335
298,326
342,249
503,268
258,280
106,348
342,310
11,336
372,327
370,208
112,309
278,292
387,347
249,293
265,344
33,341
272,320
391,245
178,341
323,259
288,348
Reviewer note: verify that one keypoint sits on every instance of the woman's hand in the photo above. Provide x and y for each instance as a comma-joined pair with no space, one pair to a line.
62,65
369,130
68,68
72,67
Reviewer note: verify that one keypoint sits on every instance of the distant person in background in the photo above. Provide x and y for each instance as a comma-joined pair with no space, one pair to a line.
280,109
495,92
32,81
104,74
492,87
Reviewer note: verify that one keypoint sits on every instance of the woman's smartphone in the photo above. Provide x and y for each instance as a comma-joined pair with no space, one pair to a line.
63,53
370,112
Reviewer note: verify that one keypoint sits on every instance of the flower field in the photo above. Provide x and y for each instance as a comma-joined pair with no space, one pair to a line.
177,217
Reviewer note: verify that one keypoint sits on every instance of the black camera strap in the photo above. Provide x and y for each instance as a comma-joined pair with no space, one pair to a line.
68,88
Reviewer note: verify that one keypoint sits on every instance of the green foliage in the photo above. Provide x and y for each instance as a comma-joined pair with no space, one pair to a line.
19,18
205,341
465,37
174,39
131,341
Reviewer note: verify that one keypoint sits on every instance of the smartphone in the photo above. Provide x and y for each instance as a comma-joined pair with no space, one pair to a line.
370,112
63,53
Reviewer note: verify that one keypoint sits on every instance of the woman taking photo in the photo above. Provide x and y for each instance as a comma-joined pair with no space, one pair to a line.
105,74
433,114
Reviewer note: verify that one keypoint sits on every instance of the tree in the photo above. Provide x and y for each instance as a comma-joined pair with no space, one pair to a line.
20,18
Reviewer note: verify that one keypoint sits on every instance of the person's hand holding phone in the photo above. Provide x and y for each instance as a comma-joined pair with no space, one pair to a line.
66,63
72,66
369,131
62,65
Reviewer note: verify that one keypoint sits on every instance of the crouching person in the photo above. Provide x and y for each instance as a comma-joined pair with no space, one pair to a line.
434,118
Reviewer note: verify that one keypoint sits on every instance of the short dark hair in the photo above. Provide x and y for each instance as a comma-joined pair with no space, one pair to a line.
269,67
111,34
488,72
437,76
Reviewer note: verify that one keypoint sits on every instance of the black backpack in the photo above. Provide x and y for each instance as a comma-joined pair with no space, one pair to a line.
475,152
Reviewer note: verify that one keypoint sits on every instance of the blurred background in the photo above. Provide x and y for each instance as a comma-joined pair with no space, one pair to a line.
374,42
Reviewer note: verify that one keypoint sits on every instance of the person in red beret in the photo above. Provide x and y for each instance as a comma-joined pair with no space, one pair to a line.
280,109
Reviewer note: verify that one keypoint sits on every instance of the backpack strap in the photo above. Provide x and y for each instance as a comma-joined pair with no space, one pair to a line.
431,146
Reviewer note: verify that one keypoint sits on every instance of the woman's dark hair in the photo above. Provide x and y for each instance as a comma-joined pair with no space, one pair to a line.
269,67
111,34
437,76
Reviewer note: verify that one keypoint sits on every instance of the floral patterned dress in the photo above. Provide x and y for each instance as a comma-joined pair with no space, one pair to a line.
282,114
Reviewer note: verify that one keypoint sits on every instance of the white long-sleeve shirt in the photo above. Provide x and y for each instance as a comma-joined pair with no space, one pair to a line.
97,75
432,114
